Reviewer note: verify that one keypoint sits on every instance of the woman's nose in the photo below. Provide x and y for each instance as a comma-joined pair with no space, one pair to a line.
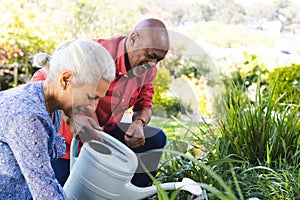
92,105
95,104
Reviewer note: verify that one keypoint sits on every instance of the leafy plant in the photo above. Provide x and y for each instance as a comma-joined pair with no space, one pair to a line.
254,147
197,166
248,72
184,156
259,131
265,143
285,78
163,100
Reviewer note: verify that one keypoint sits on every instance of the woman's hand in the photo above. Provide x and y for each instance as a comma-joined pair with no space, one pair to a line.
87,128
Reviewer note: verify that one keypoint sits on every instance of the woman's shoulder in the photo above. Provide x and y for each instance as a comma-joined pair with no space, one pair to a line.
27,98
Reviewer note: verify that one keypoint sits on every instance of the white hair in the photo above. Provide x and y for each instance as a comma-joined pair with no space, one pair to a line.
41,60
86,59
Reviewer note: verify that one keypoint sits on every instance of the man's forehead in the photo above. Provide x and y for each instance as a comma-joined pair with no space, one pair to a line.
156,51
151,29
155,44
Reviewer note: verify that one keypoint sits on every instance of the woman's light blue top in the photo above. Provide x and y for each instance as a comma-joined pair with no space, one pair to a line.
29,140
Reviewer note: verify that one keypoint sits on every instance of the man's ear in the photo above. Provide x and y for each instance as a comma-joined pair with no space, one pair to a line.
133,37
65,79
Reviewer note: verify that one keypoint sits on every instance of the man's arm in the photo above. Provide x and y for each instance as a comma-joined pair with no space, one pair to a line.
134,136
142,116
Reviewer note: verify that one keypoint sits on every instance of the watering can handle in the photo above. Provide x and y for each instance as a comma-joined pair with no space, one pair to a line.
73,151
119,146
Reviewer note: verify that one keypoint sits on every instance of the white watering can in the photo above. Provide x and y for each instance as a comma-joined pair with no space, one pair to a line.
103,170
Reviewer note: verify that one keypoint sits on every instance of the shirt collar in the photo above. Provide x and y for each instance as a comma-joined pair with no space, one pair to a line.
120,60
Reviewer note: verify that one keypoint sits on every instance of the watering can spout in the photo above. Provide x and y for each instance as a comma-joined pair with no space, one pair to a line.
133,192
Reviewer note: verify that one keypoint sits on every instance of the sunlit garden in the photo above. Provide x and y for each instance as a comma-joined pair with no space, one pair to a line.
232,124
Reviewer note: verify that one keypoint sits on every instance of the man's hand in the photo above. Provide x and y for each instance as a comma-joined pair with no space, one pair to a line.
134,137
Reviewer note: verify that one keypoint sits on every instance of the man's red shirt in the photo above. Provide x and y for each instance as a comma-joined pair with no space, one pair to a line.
123,93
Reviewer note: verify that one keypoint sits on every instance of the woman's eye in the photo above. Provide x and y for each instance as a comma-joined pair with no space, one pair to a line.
91,97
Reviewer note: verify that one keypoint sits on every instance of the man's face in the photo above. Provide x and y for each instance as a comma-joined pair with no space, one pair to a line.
144,59
147,47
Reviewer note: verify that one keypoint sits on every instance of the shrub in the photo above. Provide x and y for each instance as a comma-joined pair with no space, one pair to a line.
164,102
260,142
247,73
256,153
259,131
285,78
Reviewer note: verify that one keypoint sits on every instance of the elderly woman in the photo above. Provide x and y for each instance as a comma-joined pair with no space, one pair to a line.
30,115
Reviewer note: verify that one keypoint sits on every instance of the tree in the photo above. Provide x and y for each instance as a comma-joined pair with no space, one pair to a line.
28,27
287,13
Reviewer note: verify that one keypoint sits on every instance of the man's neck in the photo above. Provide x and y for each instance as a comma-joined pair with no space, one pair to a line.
127,63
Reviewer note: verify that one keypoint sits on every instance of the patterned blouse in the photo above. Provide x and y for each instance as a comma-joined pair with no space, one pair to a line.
28,143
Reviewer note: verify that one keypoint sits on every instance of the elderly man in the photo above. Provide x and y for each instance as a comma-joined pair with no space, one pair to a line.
136,57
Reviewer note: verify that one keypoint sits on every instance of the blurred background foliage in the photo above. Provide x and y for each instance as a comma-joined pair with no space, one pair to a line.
31,26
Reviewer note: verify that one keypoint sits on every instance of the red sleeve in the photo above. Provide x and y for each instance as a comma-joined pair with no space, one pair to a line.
145,97
66,133
39,75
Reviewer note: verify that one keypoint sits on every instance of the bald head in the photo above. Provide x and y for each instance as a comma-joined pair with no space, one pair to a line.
151,22
148,43
154,32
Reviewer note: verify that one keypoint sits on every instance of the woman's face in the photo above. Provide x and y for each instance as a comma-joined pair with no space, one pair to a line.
83,98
